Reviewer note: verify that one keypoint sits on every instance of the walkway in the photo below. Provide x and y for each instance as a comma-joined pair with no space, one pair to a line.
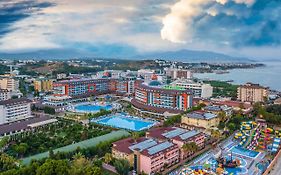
83,144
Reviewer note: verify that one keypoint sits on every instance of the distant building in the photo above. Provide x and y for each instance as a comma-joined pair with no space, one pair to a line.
14,109
146,74
9,83
199,89
216,109
43,85
252,93
200,119
277,101
178,73
61,76
5,94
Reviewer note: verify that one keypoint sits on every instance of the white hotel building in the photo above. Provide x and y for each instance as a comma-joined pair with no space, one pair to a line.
14,109
199,89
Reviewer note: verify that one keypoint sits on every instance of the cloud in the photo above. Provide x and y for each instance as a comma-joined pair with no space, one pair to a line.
237,23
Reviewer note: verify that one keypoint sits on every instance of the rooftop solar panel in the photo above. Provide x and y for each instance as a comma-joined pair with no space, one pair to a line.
189,134
160,147
143,145
174,133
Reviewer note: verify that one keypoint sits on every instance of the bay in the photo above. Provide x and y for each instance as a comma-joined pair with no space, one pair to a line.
269,75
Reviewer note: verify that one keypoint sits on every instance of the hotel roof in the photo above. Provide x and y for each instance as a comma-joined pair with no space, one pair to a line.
158,148
143,145
201,115
15,101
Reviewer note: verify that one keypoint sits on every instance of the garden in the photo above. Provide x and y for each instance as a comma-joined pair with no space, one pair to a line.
53,136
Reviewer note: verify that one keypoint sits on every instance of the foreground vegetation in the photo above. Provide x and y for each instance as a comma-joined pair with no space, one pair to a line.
53,136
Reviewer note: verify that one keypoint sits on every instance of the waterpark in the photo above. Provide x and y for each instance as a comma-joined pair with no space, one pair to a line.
247,152
125,121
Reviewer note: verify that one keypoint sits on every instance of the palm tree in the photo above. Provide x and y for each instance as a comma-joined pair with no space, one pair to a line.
107,158
135,136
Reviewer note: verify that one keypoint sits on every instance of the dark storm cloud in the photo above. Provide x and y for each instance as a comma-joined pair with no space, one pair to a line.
13,11
239,25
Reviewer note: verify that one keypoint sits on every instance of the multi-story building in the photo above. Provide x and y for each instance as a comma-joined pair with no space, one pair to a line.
5,94
95,86
61,76
199,89
178,73
200,119
147,155
216,109
158,99
252,93
180,137
43,85
160,149
14,109
9,83
146,74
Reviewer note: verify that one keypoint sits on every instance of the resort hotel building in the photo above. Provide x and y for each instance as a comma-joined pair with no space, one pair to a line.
154,98
200,120
252,93
14,109
175,73
161,148
199,89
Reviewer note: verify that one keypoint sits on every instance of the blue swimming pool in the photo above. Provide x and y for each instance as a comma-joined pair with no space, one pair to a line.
125,122
244,152
92,107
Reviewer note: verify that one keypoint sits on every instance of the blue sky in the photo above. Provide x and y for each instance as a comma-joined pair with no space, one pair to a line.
133,27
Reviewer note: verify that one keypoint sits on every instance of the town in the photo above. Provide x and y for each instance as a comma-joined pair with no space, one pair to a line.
134,117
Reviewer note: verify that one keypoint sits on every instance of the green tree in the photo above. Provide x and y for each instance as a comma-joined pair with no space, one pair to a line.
7,162
4,141
108,158
54,167
122,166
49,110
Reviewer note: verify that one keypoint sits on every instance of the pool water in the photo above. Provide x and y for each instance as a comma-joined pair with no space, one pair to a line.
125,122
244,152
92,107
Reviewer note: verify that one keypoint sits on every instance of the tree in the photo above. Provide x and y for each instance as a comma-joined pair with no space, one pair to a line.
215,134
122,166
108,158
93,170
7,162
222,116
49,110
4,141
135,136
231,127
51,167
21,148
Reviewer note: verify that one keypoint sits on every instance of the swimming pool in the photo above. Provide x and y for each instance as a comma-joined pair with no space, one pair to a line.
244,152
125,122
93,107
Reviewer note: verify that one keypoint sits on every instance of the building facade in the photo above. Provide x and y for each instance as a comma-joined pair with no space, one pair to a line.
43,85
161,148
252,93
5,94
159,99
199,89
95,86
200,119
9,83
178,73
14,109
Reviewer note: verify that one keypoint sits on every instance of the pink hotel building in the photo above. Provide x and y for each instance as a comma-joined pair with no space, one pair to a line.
161,148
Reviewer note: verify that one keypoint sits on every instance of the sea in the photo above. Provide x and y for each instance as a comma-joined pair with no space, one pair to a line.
268,75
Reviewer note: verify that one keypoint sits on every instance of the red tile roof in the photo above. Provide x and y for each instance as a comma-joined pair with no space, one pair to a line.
123,145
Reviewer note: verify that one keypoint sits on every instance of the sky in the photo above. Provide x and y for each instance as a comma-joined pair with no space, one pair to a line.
250,28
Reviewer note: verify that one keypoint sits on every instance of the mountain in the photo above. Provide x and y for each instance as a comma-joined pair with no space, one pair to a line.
180,55
193,56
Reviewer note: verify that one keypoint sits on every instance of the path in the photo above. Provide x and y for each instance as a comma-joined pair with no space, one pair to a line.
83,144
